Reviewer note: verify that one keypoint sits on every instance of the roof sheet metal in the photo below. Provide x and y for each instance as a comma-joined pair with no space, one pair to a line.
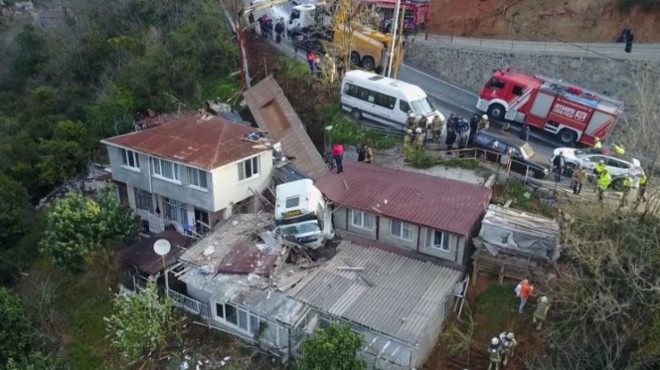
294,138
394,295
206,142
431,201
142,255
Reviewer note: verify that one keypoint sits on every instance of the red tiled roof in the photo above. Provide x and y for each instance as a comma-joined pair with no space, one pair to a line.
430,201
188,138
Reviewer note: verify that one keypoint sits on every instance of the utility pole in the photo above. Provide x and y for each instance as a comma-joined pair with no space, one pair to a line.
394,32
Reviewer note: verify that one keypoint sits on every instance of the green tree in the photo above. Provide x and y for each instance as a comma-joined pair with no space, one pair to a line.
117,223
66,154
15,211
112,112
141,324
36,361
72,231
16,332
31,54
335,348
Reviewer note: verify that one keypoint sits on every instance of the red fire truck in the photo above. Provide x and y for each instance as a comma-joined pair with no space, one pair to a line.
416,14
574,114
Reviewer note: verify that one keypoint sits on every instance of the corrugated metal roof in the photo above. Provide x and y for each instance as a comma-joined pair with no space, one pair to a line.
274,114
202,141
431,201
142,255
395,295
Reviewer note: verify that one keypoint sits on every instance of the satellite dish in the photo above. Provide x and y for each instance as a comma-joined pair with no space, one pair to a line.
162,247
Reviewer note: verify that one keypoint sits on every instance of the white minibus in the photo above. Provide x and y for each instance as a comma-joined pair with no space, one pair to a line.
384,99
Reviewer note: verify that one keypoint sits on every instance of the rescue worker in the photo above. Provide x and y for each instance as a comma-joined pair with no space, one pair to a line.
603,183
436,126
474,124
597,143
627,186
541,312
452,132
463,133
579,178
410,122
419,138
509,345
600,169
558,165
641,191
368,154
618,149
524,132
506,126
329,69
310,62
317,64
340,68
407,139
523,291
279,29
484,124
494,354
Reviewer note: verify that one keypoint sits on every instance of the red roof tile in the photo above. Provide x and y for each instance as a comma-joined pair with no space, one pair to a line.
430,201
188,138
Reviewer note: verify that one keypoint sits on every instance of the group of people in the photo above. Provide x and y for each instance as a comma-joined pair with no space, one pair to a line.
459,130
503,347
266,28
364,152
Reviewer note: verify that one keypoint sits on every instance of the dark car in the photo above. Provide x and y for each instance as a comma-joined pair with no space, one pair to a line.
523,159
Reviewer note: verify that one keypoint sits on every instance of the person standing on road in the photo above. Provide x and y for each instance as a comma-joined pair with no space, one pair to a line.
579,178
463,133
558,165
338,154
524,132
523,291
484,124
600,169
474,124
630,37
436,125
451,131
603,183
279,29
420,138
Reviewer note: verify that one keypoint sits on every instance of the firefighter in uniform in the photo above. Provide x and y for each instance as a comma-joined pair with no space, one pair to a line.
598,144
495,354
641,191
541,312
484,124
600,169
410,122
329,69
420,138
603,183
407,139
627,186
618,149
509,345
436,126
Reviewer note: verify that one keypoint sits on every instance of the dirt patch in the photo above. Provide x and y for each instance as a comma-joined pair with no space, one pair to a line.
547,20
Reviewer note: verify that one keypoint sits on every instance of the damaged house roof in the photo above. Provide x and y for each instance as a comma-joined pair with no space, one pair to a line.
386,292
141,254
431,201
274,114
203,141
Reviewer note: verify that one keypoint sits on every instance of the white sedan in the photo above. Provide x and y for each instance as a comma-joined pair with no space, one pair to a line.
588,158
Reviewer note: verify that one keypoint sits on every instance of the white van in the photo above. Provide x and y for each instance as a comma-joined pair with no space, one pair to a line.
383,99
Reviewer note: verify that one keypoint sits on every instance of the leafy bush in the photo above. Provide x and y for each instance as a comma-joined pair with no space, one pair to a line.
345,131
16,332
334,348
419,158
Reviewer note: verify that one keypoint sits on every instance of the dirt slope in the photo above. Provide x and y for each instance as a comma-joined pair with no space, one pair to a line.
551,20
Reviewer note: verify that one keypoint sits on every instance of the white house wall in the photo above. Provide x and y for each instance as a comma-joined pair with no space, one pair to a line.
231,190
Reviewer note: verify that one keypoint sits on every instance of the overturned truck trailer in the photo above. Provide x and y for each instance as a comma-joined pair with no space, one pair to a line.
515,244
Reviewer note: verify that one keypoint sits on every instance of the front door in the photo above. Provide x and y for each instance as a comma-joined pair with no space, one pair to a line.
202,224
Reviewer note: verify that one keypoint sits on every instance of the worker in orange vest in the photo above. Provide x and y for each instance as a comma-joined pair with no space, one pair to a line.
524,290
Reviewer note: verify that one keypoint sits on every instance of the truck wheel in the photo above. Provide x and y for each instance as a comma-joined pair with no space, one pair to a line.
355,58
316,46
355,113
368,63
496,112
567,136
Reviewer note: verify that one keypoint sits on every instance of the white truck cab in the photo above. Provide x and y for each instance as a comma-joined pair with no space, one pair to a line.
301,212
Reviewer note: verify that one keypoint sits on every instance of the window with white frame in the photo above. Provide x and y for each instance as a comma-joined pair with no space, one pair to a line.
362,220
438,240
401,230
143,200
165,169
197,178
248,168
239,317
130,159
175,211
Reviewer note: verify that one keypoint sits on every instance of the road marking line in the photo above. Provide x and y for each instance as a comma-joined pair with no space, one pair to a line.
442,81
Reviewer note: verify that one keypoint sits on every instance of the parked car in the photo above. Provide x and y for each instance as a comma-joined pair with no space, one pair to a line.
523,159
617,165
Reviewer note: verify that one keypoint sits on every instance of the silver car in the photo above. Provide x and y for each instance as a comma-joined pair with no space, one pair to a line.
617,165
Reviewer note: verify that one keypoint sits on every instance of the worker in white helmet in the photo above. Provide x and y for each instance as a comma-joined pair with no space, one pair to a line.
407,138
541,312
508,344
484,123
420,138
495,354
410,122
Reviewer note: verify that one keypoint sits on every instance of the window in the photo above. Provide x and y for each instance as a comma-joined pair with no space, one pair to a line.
385,101
370,96
496,84
401,230
220,310
143,200
292,202
130,158
422,106
230,314
165,169
175,211
362,220
438,240
517,90
404,106
248,168
197,177
239,317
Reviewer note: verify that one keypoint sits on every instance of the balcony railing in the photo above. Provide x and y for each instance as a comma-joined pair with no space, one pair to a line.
191,305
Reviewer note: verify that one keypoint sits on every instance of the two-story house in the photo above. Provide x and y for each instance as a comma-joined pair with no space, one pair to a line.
410,211
188,170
